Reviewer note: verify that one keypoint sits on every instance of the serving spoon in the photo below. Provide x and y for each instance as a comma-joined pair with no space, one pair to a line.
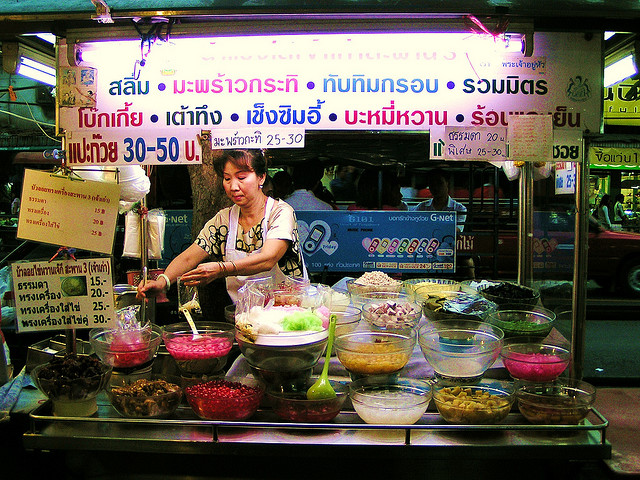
322,388
186,308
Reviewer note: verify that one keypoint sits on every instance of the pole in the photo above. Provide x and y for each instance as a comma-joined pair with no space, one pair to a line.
525,225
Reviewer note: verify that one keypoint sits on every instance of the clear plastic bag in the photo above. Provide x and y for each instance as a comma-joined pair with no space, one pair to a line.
155,240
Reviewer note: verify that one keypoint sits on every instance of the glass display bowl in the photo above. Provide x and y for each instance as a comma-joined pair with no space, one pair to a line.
445,305
460,351
487,402
229,398
126,349
561,402
72,383
423,288
294,406
506,294
524,322
375,352
156,397
202,354
400,401
388,314
361,299
535,361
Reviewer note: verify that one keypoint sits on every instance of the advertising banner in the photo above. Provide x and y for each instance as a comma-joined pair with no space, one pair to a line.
265,90
393,241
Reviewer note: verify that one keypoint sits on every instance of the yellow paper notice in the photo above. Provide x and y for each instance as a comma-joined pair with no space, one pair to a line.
71,213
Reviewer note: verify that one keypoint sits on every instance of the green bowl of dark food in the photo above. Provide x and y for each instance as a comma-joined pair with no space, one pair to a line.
526,322
510,294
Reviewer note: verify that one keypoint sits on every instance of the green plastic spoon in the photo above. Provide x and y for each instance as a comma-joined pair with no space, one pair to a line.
322,388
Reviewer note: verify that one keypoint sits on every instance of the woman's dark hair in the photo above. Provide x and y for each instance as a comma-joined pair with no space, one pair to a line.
249,160
604,201
619,197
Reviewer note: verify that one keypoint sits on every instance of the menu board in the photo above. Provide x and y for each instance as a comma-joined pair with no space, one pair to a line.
391,241
63,294
531,138
67,211
475,143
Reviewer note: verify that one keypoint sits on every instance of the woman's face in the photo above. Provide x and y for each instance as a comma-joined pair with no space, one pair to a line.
241,186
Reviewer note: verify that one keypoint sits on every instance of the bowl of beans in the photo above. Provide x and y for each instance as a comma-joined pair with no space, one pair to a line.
229,398
125,349
564,401
155,397
392,314
400,401
292,404
460,351
509,293
202,354
535,361
523,322
375,352
487,402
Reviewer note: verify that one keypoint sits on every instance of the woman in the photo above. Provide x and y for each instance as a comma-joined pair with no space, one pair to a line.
618,209
257,235
603,212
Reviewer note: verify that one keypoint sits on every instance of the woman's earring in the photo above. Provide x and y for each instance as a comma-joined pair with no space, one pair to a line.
261,186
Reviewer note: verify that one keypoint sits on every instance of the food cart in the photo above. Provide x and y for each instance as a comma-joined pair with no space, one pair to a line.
166,99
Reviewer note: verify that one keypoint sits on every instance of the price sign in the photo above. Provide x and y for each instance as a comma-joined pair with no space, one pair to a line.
76,213
172,147
63,294
475,143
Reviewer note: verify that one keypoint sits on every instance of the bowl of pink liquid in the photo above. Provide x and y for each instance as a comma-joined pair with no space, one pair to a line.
535,362
204,353
126,348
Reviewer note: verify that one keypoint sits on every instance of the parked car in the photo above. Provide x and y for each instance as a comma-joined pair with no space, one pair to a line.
613,256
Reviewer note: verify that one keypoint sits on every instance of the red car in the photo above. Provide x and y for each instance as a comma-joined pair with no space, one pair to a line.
613,256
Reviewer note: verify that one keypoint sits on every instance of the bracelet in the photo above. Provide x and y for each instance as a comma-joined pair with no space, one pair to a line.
166,279
223,268
235,268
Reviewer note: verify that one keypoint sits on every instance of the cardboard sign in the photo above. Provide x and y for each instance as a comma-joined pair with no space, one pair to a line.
63,294
75,213
392,241
531,138
475,143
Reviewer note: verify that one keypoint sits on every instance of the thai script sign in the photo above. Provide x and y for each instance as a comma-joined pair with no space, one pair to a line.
59,210
347,81
63,294
612,156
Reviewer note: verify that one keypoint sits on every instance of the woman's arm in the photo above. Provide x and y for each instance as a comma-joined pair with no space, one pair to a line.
184,262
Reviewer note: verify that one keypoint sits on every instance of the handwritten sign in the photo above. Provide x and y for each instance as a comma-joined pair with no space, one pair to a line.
475,143
63,294
73,213
531,138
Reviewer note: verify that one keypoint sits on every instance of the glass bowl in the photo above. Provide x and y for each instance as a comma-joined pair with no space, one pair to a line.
375,352
510,293
487,402
561,402
535,361
361,299
72,383
156,397
457,304
229,398
202,354
387,314
529,322
124,349
402,401
347,320
460,351
423,288
358,286
294,406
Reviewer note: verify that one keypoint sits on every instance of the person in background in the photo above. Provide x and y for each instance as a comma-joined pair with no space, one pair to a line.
343,187
441,201
602,212
282,184
390,197
306,177
618,210
258,235
267,187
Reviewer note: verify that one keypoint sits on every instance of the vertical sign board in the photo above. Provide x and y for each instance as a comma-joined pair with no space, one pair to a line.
392,241
63,294
565,178
177,234
70,212
239,91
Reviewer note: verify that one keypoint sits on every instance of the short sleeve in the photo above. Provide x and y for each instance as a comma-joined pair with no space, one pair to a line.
213,236
282,222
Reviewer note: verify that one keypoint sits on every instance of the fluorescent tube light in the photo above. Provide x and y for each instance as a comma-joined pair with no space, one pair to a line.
620,70
36,71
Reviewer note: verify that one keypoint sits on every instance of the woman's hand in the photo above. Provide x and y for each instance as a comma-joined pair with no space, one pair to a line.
151,288
203,274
